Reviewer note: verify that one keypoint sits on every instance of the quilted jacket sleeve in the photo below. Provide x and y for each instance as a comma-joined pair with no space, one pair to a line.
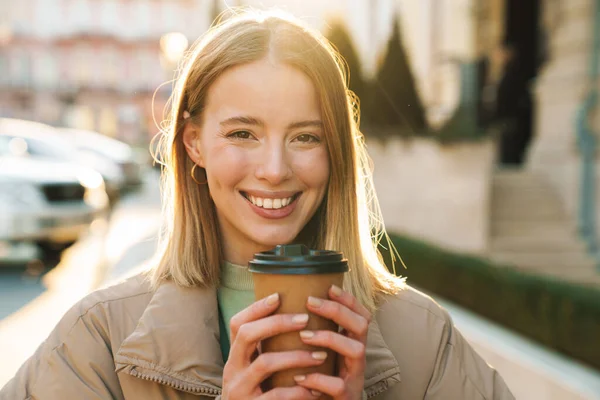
460,373
75,362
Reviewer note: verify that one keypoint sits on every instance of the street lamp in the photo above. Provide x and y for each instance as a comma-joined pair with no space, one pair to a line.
172,46
5,34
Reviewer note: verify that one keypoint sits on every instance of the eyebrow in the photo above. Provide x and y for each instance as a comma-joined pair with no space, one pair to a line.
248,120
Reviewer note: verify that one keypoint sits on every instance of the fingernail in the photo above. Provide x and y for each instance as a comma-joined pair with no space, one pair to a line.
300,319
319,355
336,291
314,302
307,334
299,378
272,299
315,393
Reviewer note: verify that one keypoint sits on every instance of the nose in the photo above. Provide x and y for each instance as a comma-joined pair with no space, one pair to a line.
273,164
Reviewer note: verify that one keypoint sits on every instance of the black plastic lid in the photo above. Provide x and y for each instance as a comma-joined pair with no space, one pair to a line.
297,259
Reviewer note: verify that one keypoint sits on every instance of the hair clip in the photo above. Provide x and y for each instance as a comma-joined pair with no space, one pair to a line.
186,114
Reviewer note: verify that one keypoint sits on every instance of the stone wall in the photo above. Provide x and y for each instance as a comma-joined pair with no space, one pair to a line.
440,193
559,92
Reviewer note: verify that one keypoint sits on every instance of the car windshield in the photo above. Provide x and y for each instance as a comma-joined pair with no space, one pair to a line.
5,146
15,146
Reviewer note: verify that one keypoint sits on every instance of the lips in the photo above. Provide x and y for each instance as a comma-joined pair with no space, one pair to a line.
277,206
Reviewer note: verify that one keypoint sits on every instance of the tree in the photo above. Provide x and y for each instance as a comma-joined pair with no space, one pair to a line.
215,11
338,35
393,97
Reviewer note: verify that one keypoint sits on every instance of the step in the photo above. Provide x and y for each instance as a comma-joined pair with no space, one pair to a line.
534,185
557,221
572,274
522,190
516,174
526,215
587,269
527,204
527,228
514,196
542,259
500,210
536,244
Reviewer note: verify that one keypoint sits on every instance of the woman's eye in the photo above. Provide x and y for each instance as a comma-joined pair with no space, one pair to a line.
241,135
307,138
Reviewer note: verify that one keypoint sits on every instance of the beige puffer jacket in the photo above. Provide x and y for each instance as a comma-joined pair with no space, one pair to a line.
127,342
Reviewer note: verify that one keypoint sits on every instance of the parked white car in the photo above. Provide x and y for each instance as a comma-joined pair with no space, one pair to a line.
22,138
116,151
47,203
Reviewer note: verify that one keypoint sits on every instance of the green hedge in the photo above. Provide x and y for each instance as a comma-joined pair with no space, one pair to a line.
559,315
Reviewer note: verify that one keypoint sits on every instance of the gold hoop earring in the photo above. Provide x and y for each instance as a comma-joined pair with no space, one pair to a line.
193,174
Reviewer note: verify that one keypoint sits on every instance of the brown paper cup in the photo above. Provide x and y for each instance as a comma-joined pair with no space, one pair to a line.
294,291
297,272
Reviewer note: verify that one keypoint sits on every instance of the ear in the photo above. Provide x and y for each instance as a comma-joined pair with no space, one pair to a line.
191,141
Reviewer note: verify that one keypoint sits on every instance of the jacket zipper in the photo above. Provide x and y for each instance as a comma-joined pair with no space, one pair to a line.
178,386
383,388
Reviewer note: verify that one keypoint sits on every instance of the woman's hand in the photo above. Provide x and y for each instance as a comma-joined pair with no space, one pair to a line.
245,371
350,344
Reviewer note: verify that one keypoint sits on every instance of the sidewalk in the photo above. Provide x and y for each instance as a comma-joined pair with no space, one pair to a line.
530,370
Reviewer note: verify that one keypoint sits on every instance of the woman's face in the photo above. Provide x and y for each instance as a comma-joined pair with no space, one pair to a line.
262,144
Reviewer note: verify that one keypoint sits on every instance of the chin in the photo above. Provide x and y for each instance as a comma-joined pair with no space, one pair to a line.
272,240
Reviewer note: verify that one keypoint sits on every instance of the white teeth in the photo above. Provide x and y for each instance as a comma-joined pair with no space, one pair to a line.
269,203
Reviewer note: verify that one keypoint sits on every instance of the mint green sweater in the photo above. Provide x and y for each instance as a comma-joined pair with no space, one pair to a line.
235,293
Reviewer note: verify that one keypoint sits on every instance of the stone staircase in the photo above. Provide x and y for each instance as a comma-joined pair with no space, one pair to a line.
531,230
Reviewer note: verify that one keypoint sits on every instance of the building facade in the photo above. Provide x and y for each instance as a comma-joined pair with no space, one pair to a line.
92,64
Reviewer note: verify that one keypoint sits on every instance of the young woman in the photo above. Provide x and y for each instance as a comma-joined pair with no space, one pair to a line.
262,149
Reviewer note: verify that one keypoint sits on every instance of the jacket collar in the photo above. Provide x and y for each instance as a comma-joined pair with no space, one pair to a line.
176,342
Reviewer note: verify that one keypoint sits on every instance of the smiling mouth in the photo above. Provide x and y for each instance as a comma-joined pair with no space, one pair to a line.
271,203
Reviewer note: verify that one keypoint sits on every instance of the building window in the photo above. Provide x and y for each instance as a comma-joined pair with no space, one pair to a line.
46,70
109,16
80,16
143,17
82,66
4,78
111,67
20,68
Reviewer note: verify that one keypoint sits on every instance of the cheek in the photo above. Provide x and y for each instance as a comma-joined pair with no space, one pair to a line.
313,169
227,165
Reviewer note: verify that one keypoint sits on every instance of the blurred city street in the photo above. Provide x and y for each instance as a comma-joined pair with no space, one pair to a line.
31,306
480,119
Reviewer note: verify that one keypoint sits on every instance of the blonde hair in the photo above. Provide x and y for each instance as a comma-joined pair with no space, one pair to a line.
348,220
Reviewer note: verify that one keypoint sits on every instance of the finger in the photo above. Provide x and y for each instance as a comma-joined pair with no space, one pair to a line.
250,334
258,309
268,363
331,385
339,295
356,325
341,344
291,393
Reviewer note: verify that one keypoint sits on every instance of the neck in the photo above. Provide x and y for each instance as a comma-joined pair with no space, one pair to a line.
241,255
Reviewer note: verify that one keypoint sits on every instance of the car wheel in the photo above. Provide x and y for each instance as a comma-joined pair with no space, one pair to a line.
51,251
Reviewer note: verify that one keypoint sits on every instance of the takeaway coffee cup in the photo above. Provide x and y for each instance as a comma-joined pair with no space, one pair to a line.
296,272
